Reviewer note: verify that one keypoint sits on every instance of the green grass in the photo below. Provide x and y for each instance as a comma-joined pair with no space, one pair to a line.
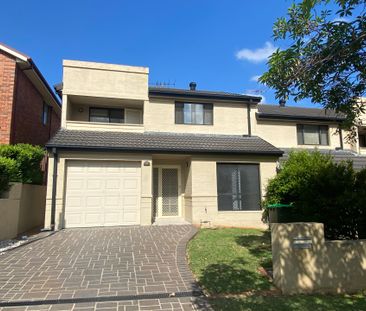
293,303
226,261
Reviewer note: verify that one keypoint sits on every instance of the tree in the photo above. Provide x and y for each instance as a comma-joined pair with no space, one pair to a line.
326,57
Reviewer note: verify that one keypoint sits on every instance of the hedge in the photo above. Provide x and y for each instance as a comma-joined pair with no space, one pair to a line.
9,171
322,191
20,163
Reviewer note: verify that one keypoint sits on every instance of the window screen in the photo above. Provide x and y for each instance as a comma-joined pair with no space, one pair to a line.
193,113
238,187
309,134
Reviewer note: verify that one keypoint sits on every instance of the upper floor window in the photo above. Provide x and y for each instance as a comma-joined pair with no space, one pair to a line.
45,114
193,113
106,115
308,134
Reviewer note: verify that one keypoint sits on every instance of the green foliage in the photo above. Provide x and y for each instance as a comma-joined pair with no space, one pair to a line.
322,191
8,172
27,159
325,59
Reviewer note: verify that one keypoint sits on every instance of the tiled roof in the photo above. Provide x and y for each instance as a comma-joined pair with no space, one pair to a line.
287,112
162,142
173,92
359,161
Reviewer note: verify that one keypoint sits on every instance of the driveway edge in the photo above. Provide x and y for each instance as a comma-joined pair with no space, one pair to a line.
200,301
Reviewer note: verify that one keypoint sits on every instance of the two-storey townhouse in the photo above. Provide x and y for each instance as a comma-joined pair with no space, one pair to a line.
128,154
29,110
296,128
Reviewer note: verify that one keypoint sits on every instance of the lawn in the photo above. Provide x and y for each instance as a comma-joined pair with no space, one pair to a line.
226,261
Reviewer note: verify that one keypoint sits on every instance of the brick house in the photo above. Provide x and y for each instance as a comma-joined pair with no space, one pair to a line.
29,110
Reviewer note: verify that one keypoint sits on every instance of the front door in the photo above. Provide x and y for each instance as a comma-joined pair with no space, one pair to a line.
166,191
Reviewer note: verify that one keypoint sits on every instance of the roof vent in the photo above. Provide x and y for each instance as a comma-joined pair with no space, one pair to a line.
282,103
192,86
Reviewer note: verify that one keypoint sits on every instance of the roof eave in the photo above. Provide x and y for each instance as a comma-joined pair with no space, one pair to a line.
25,59
276,153
175,94
266,116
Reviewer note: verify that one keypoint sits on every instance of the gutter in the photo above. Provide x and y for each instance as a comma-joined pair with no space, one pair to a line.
54,188
264,116
249,120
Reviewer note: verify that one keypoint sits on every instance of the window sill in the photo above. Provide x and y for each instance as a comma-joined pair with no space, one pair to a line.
313,145
193,124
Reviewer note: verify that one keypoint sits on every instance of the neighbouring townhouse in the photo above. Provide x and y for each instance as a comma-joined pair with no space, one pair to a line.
130,154
30,112
297,128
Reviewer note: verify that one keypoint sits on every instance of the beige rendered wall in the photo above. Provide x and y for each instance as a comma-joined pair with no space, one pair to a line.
32,207
229,118
283,134
146,178
21,209
105,80
326,266
203,198
101,80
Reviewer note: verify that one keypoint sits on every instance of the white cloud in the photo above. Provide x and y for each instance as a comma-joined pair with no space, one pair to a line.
257,55
255,78
341,19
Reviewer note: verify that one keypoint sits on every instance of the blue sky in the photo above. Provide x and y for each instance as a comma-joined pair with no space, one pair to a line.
219,44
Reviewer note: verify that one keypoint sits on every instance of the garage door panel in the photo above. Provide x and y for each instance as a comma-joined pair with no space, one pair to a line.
76,184
100,193
129,200
130,184
112,218
94,202
93,219
113,184
75,201
94,183
129,217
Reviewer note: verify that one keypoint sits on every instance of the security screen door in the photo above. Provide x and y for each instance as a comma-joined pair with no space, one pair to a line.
238,187
167,191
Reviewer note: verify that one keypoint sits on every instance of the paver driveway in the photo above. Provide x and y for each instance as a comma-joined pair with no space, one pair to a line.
116,268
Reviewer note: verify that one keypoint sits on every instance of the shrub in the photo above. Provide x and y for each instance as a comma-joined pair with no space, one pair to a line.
321,191
8,172
27,158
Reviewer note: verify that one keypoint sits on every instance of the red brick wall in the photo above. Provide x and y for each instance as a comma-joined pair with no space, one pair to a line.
28,126
7,80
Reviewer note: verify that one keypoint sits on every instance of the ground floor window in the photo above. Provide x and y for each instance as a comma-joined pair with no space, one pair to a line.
238,187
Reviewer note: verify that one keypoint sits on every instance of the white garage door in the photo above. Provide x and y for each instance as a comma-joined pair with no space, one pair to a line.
102,193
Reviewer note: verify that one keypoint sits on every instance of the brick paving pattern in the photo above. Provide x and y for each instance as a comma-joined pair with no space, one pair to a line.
116,268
